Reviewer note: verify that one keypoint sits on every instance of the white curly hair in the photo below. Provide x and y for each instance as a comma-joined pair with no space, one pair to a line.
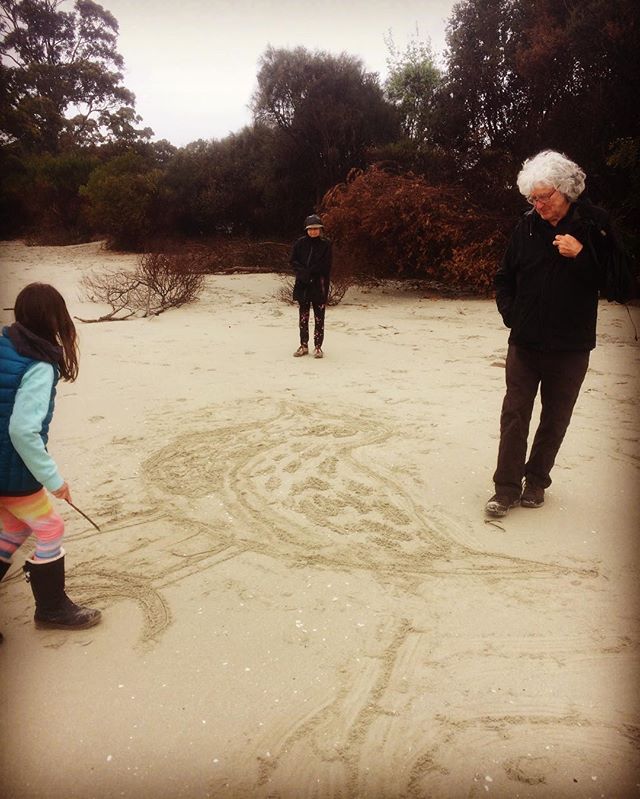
551,169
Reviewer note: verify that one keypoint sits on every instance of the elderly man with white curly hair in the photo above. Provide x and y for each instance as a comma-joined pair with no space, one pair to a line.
547,294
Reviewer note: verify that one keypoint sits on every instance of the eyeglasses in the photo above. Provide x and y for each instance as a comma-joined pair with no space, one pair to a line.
541,198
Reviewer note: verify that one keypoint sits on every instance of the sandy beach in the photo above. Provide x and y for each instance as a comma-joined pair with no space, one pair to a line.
301,594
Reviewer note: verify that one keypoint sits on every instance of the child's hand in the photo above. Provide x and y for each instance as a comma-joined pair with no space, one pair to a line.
63,492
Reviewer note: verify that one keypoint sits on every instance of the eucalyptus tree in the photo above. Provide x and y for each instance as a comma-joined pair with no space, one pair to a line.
223,185
521,72
330,111
524,75
412,86
61,76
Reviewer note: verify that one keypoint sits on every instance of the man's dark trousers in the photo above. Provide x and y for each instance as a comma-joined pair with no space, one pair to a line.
560,376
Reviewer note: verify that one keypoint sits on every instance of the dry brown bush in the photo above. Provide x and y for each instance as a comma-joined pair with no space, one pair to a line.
337,289
159,282
397,225
239,254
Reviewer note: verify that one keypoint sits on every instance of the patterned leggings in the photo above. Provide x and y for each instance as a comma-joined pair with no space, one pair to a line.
318,317
21,516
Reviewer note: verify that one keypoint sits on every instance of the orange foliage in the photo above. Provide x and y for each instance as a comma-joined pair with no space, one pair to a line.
388,225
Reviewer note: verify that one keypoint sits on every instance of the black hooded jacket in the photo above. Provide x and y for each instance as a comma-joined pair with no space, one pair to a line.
311,261
549,301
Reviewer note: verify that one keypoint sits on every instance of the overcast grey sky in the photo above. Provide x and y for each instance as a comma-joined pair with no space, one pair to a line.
192,64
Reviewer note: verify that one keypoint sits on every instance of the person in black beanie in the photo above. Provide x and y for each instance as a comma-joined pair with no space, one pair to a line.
311,262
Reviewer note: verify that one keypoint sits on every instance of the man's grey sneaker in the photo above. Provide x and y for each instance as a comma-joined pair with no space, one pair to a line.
302,350
499,505
532,496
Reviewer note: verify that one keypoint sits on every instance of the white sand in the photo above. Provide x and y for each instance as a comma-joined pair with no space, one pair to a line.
301,596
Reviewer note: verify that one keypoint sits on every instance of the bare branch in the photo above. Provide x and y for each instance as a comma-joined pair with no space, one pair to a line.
159,282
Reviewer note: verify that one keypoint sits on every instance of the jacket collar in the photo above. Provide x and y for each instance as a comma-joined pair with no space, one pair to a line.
30,345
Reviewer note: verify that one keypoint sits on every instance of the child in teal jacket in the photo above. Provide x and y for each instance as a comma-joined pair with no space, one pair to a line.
35,352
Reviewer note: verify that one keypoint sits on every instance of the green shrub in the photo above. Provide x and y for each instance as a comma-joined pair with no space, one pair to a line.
124,200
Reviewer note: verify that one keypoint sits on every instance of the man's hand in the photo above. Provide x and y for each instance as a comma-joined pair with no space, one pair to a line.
567,245
63,492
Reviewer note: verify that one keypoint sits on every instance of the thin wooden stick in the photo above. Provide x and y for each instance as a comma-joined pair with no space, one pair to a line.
82,513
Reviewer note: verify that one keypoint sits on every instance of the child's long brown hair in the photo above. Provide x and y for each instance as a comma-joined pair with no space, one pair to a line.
42,309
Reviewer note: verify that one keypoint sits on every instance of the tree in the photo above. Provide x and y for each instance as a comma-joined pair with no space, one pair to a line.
124,201
484,93
525,75
53,197
330,110
411,87
60,76
592,61
224,185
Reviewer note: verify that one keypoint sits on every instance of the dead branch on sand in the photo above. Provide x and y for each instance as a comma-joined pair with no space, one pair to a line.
159,282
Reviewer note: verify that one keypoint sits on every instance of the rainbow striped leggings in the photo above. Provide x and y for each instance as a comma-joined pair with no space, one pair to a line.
21,516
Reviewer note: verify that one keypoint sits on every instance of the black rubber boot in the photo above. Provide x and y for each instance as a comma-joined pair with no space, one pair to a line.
4,568
53,606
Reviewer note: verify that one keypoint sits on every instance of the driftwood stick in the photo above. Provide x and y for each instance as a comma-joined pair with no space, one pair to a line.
82,513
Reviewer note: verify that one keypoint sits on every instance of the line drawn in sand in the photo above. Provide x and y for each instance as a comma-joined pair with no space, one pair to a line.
304,485
105,586
345,745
